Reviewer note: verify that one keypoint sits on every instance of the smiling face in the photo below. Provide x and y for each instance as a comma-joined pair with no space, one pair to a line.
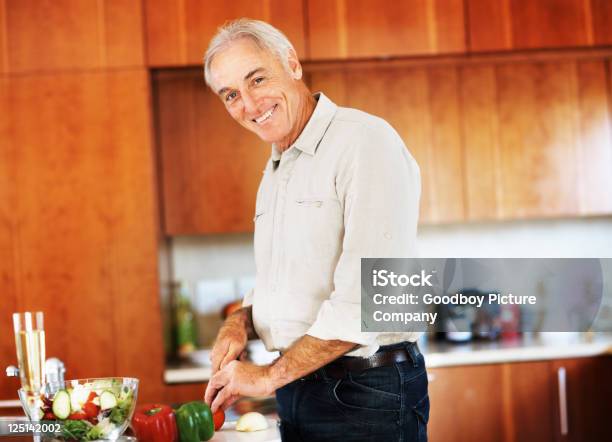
258,92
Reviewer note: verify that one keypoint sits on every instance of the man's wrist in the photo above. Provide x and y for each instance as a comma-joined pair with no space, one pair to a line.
276,375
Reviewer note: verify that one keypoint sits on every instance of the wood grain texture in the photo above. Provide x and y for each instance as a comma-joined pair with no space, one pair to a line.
530,24
601,11
211,166
422,105
588,393
8,258
72,34
466,404
480,133
383,28
594,149
549,23
530,397
86,230
178,32
489,25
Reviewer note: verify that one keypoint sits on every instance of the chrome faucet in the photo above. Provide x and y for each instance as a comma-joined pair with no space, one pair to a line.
55,371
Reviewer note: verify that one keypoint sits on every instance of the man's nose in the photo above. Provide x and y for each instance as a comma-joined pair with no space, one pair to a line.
249,101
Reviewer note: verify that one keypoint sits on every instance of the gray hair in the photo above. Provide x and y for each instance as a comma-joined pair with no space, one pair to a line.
265,36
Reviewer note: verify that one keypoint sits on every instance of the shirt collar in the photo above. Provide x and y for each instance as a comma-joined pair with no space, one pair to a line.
313,132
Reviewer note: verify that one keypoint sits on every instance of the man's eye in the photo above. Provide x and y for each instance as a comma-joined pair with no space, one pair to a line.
258,80
230,96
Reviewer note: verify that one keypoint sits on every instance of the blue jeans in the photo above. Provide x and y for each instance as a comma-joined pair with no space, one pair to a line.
379,404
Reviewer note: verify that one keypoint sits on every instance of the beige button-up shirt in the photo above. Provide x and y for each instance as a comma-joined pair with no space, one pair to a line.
347,188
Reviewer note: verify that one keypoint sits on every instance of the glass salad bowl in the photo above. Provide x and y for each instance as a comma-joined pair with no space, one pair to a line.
86,409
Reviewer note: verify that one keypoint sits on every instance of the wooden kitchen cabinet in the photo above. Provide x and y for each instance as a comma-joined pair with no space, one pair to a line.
495,25
466,404
521,401
422,104
78,222
47,36
178,32
537,139
341,29
210,165
585,384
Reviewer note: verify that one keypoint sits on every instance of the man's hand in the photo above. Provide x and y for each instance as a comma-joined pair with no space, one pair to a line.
238,379
232,339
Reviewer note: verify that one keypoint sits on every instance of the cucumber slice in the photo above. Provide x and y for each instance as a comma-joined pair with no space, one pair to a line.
107,400
61,404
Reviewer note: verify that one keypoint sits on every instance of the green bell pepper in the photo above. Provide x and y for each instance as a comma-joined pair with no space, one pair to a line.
195,422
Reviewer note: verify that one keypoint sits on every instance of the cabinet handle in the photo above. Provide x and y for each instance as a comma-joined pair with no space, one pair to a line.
561,376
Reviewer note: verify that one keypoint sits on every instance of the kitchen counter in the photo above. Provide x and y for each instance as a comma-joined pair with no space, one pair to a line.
529,347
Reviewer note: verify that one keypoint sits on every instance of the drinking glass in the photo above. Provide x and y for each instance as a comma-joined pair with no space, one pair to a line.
30,343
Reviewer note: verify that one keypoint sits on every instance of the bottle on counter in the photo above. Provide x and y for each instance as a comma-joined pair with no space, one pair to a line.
186,332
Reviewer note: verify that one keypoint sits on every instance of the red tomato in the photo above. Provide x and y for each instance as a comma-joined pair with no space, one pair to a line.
92,396
218,419
77,415
91,410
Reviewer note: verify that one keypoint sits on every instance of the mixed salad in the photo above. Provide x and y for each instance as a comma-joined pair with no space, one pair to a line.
89,411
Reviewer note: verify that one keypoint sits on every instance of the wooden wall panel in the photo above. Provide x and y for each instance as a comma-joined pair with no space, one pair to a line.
422,105
71,34
178,32
382,28
85,218
211,166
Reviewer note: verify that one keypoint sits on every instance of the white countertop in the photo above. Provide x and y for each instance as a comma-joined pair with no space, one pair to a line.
528,348
228,433
535,347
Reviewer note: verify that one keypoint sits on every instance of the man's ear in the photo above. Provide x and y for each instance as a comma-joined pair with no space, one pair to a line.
295,67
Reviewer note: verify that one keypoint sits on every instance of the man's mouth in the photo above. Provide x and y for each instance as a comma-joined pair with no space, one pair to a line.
265,116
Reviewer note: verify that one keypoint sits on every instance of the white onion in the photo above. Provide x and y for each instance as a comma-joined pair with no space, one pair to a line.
252,421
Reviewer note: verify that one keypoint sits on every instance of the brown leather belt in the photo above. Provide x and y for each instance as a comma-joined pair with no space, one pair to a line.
341,367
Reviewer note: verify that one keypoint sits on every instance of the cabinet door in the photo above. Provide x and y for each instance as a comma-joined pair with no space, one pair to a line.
82,220
466,404
531,24
582,399
8,260
383,28
528,408
537,139
178,32
70,34
421,103
211,166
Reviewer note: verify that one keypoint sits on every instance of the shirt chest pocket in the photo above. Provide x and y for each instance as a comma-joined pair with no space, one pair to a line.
315,227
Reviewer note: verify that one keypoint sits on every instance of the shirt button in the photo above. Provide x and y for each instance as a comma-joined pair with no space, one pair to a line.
387,235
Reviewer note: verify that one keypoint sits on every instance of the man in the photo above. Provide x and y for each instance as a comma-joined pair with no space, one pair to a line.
340,185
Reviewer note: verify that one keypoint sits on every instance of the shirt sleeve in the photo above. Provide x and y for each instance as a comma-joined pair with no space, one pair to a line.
248,298
380,186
